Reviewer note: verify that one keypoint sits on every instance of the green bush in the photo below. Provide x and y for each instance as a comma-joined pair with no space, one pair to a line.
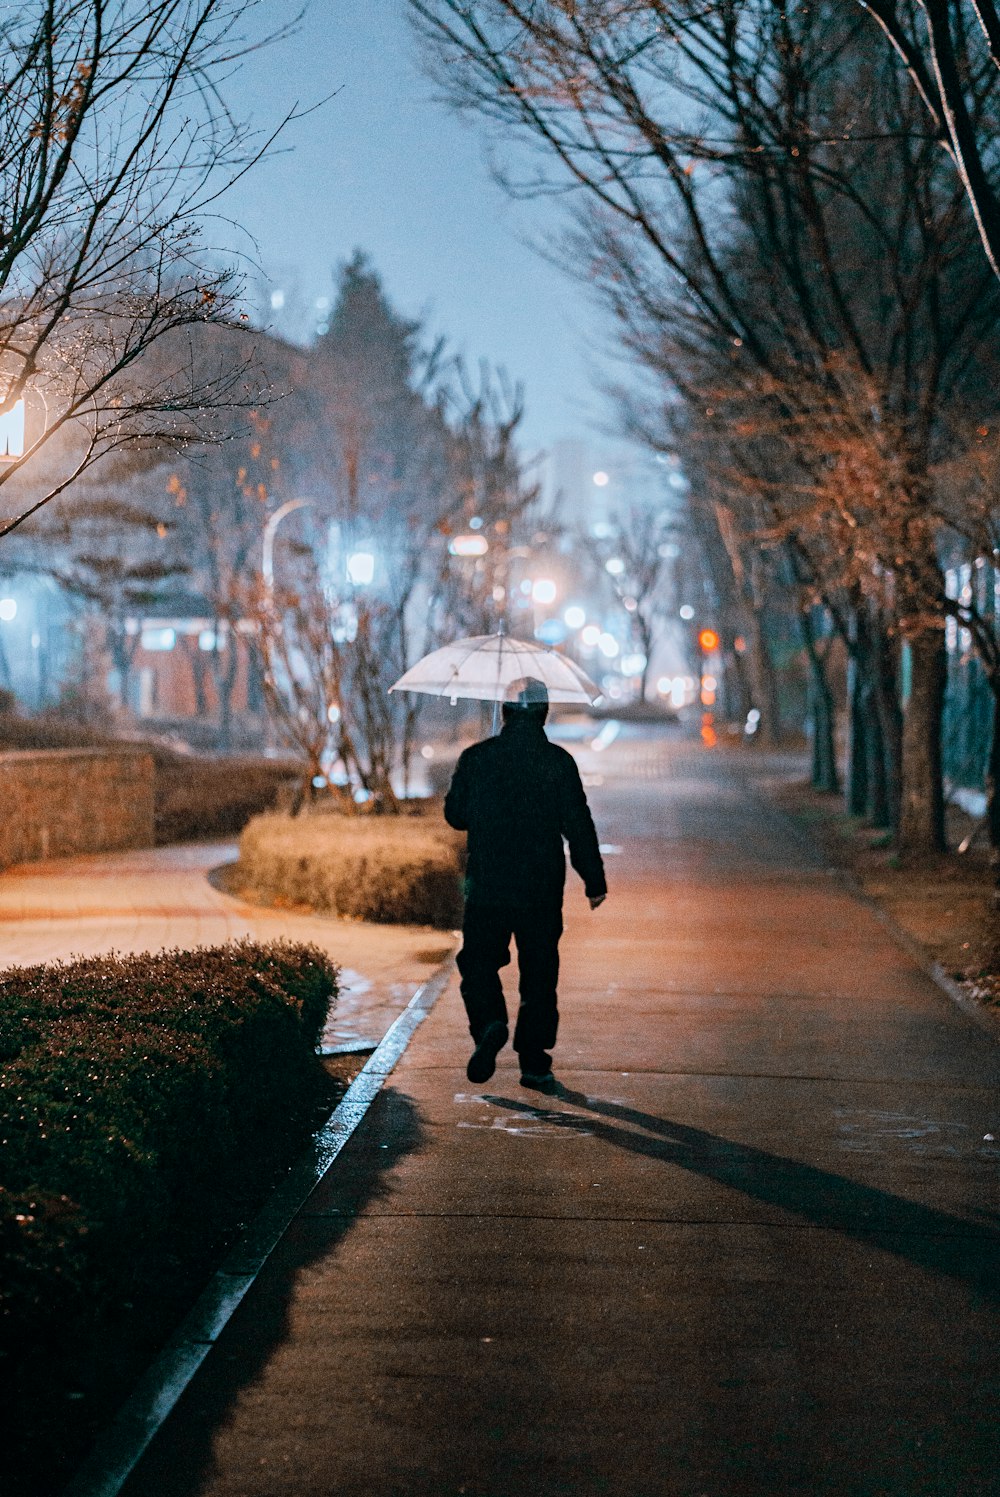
128,1088
392,869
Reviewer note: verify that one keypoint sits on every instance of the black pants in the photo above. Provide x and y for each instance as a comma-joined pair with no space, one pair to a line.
486,935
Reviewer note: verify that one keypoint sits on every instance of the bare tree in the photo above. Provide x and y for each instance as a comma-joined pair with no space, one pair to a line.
761,189
951,51
324,681
492,497
224,494
116,548
642,549
115,144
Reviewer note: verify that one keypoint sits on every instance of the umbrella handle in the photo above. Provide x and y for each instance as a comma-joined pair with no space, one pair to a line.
496,718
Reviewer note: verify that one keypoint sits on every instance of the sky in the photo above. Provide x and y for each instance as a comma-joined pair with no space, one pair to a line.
385,167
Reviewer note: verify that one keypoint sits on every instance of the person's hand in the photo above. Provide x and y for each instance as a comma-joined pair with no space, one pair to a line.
596,899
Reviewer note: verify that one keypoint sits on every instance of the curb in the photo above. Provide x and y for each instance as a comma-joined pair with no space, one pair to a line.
123,1443
987,1019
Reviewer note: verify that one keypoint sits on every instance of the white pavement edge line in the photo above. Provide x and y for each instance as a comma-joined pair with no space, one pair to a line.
125,1440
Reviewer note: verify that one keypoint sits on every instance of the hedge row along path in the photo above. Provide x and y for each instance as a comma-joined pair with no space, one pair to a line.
161,897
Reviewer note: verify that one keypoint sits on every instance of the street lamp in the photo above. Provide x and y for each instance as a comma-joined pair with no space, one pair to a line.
361,568
469,545
267,549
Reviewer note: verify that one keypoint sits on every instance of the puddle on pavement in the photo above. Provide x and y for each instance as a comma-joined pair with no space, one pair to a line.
526,1122
869,1130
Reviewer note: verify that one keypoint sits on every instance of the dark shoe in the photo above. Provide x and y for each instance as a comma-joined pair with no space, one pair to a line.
483,1060
540,1081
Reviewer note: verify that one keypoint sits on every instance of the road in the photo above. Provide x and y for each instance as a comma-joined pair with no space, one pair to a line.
753,1249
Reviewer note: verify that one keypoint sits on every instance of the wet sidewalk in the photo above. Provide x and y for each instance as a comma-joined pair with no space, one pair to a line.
754,1249
162,897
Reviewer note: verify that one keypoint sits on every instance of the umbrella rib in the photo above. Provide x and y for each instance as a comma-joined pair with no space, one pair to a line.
469,653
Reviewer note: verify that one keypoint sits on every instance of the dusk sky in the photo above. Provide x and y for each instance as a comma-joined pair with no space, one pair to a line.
387,168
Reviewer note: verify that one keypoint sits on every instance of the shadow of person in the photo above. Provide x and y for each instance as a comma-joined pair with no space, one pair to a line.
180,1461
932,1239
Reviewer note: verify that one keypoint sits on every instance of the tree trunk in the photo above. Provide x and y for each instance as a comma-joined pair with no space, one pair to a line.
882,772
822,713
224,673
735,698
121,657
885,738
993,789
765,685
645,630
921,821
824,754
858,733
199,673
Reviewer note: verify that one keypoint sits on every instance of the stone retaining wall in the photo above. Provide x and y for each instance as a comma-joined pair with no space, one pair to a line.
57,802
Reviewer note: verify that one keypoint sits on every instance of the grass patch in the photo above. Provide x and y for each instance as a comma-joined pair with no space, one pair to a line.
146,1106
391,869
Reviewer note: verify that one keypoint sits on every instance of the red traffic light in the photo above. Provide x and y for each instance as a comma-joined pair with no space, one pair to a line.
709,640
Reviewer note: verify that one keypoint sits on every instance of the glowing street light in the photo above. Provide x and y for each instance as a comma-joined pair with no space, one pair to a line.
544,590
361,568
591,635
574,617
601,479
469,545
615,567
8,609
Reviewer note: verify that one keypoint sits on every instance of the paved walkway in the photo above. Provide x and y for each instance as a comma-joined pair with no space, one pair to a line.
754,1249
161,897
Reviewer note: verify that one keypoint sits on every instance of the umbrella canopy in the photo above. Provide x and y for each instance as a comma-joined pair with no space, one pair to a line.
484,666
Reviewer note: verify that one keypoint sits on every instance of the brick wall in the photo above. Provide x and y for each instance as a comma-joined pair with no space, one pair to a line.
58,802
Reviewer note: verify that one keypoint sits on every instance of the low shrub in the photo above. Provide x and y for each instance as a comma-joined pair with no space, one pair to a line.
201,795
195,795
391,869
129,1089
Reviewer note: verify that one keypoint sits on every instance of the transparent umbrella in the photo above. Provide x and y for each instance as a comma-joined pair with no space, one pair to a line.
485,665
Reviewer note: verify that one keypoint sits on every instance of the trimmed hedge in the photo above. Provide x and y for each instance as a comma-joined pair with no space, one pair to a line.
129,1086
196,795
392,869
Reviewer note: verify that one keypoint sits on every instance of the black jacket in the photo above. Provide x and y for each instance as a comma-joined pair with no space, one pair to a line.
518,796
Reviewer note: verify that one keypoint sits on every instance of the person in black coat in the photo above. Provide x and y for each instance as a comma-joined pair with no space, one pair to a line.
517,796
